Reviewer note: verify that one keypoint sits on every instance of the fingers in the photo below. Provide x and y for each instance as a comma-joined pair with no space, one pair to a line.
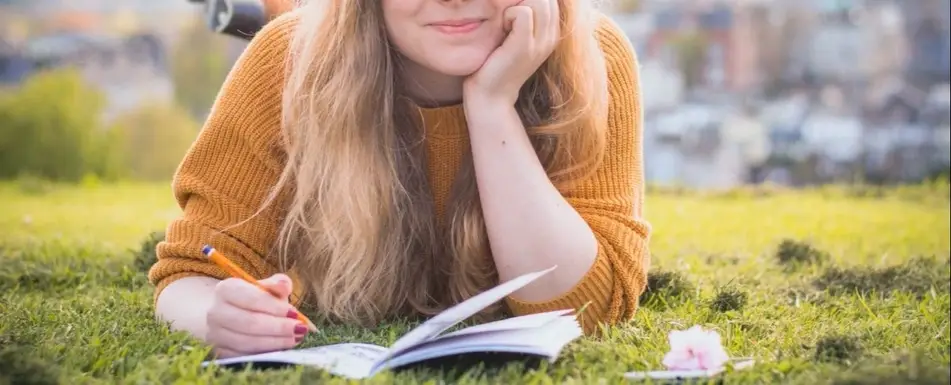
541,17
221,352
232,343
546,19
279,284
520,19
241,321
244,295
244,319
554,21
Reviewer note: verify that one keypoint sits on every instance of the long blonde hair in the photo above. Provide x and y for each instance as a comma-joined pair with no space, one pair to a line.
359,226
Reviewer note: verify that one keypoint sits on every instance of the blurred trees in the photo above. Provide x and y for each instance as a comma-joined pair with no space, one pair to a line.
153,139
51,128
691,49
627,6
200,65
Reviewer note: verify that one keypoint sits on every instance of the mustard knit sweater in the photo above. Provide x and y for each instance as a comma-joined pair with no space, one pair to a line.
226,175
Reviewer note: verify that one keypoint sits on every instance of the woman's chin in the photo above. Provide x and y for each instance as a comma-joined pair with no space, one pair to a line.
459,69
464,64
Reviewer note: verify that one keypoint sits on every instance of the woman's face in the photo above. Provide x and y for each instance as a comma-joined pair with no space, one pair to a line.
452,37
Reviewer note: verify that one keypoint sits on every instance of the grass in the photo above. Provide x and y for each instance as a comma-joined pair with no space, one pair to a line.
828,286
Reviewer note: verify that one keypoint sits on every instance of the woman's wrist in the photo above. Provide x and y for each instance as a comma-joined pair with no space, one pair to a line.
184,304
485,113
478,101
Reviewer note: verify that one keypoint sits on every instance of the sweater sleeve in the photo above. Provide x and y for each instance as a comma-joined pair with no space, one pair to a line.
611,203
226,175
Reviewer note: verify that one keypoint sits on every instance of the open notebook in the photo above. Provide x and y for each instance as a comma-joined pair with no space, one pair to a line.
540,335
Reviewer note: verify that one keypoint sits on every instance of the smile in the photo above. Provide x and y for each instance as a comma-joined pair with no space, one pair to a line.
456,27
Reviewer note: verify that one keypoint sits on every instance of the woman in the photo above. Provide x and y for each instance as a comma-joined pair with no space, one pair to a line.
412,154
275,8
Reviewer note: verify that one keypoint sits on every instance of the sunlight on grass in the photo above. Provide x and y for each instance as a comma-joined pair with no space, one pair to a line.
829,286
108,216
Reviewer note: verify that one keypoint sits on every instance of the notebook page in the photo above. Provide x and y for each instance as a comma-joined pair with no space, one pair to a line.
552,335
461,311
522,322
547,340
352,360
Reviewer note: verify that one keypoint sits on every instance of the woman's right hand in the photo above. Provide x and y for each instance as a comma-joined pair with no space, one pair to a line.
244,319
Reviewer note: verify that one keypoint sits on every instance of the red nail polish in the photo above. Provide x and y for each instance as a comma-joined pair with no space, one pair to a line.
292,314
300,329
298,339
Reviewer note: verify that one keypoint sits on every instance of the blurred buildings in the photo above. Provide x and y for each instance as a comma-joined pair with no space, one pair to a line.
735,91
114,48
793,92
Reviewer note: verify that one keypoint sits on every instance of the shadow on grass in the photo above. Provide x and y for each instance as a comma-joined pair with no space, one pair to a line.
839,349
794,254
55,270
918,276
19,364
728,298
665,289
145,256
907,369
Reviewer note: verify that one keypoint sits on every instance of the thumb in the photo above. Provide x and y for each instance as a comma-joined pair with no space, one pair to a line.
279,284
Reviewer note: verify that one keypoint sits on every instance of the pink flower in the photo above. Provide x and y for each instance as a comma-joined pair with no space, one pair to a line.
695,349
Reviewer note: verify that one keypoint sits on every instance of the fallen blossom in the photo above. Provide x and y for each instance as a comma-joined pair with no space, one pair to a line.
695,349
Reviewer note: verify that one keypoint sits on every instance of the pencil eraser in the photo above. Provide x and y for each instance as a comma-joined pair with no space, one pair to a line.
206,250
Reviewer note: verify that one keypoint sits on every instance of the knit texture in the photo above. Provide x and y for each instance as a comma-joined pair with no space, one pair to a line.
226,175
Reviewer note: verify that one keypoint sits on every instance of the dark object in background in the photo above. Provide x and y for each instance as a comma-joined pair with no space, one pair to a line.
145,256
238,18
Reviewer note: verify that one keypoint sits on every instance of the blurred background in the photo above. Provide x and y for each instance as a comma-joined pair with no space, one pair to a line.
790,92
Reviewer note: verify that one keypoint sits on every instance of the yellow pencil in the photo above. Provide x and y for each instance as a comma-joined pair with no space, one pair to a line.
235,271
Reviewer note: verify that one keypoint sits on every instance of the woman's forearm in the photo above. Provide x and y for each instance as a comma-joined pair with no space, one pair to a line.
185,303
530,224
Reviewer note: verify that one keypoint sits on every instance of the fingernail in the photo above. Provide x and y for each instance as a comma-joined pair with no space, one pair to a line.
292,314
300,329
298,339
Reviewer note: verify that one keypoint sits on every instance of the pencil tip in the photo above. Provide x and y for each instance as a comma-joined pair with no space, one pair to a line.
206,250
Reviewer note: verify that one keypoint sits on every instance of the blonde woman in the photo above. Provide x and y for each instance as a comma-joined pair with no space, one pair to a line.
374,159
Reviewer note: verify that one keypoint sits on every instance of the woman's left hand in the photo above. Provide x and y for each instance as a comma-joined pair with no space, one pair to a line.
533,33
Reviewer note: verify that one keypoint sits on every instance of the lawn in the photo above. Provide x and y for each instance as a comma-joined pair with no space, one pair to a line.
832,285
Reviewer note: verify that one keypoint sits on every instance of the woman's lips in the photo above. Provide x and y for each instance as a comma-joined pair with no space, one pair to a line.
457,27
